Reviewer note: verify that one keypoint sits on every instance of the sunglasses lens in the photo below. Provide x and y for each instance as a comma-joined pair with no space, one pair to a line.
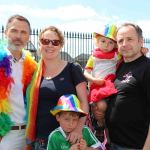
53,42
45,41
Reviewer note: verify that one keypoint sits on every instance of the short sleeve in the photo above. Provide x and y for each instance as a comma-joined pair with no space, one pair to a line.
77,73
90,63
90,138
52,142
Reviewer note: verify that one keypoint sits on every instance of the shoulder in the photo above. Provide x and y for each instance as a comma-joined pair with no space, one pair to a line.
55,133
145,62
75,65
86,129
29,60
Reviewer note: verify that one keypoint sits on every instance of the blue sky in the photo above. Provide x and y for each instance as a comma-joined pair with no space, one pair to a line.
78,15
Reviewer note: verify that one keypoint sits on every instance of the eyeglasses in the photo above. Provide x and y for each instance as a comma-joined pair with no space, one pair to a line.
47,41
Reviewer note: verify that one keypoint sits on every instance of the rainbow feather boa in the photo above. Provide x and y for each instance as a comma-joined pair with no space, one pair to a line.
32,99
6,81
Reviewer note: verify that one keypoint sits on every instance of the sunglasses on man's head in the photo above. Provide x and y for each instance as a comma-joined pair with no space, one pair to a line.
47,41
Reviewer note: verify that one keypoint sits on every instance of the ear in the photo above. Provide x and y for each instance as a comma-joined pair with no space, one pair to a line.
141,40
5,32
58,117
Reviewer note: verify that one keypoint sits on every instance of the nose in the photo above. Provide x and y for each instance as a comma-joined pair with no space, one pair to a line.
71,123
50,43
18,34
124,42
106,44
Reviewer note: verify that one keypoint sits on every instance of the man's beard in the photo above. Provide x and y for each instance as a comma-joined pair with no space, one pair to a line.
12,46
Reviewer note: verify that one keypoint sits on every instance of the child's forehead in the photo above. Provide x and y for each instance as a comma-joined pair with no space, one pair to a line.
105,38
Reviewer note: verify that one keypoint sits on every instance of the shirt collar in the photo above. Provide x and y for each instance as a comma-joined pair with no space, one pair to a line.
14,59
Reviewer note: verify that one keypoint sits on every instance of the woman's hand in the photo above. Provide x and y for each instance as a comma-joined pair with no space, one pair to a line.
75,136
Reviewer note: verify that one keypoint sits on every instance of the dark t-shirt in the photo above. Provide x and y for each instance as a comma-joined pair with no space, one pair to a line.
49,93
128,113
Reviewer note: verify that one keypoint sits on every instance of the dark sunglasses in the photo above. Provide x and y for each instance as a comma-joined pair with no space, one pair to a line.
47,41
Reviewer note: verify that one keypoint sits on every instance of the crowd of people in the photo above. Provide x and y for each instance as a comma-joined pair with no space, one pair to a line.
45,105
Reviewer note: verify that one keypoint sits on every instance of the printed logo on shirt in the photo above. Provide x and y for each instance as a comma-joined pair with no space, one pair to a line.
127,77
61,79
64,147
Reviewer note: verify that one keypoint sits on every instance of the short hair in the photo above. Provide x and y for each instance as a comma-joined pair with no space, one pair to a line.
135,26
71,113
56,30
18,17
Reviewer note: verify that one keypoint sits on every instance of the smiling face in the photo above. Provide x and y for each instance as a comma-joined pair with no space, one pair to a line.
105,44
129,43
68,120
17,34
50,51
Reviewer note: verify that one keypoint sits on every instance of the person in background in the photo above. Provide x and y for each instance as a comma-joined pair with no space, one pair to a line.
16,70
68,112
127,116
53,78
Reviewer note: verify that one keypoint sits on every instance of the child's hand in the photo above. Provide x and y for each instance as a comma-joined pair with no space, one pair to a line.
75,147
144,50
82,144
99,81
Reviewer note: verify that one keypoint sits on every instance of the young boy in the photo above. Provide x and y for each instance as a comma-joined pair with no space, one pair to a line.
68,112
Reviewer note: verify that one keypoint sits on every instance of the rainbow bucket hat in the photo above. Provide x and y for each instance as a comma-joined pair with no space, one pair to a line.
68,103
109,32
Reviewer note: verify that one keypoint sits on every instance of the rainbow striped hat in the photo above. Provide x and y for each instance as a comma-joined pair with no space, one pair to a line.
68,103
109,32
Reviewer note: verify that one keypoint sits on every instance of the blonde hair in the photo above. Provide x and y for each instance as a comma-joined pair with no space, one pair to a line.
56,30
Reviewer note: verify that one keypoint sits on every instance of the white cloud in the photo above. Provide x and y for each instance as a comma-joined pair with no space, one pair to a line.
71,12
145,25
82,26
70,18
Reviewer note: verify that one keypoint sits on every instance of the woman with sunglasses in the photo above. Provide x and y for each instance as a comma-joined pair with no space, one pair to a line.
53,78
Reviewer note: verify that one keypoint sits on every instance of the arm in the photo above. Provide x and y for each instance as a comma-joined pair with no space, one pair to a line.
146,87
76,134
147,142
88,71
89,77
